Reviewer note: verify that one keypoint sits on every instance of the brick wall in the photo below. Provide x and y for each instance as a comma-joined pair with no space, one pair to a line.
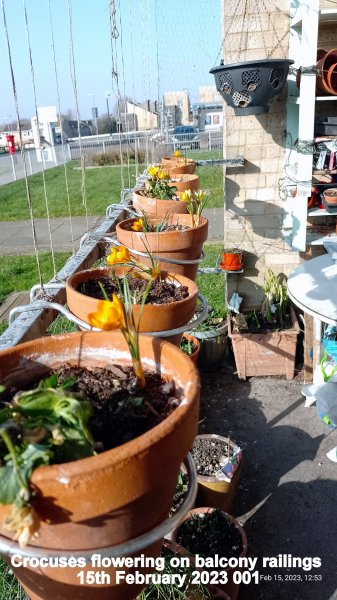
253,208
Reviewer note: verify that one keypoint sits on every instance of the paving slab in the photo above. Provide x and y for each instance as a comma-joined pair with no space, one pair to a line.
16,237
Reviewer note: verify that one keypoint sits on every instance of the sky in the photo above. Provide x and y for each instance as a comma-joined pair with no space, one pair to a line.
159,46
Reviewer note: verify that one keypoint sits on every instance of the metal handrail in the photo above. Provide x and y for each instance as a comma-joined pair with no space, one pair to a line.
43,304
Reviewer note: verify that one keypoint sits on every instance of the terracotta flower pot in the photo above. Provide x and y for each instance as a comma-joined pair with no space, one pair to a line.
154,317
185,182
231,260
330,196
230,588
324,64
215,492
115,496
156,208
180,245
175,166
196,344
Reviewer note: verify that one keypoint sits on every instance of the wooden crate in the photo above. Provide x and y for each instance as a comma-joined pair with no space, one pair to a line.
261,354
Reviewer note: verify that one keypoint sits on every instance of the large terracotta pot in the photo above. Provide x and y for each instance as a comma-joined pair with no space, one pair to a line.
154,317
156,208
180,245
230,588
115,496
175,166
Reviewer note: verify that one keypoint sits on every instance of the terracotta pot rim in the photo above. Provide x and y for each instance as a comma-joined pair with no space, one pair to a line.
96,272
159,200
174,218
122,452
214,436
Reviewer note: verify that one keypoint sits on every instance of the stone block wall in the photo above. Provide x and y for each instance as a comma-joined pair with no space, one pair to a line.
253,207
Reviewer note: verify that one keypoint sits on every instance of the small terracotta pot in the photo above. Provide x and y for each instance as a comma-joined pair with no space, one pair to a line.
185,182
331,78
156,208
175,166
196,344
213,491
330,196
231,261
230,588
324,64
154,317
112,497
181,245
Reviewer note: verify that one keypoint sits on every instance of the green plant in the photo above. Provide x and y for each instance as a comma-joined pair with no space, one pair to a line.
215,318
196,201
276,301
210,533
187,346
37,427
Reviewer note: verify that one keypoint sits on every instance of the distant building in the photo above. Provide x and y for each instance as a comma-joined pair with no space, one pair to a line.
209,93
141,116
181,101
207,115
70,128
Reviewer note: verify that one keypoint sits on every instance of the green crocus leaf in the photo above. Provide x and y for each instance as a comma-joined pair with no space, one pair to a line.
11,488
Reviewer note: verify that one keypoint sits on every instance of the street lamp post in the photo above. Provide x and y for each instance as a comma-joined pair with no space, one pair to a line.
7,120
94,112
107,94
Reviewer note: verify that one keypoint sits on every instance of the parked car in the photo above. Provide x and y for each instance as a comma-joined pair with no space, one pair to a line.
185,137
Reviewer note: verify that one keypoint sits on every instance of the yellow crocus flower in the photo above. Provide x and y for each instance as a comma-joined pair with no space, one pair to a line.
153,170
185,196
118,255
162,174
109,315
177,154
138,225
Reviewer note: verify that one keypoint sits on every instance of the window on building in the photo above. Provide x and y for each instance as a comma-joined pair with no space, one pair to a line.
208,120
216,119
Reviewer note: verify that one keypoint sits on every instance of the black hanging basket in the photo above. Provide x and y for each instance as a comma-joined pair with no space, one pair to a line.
250,86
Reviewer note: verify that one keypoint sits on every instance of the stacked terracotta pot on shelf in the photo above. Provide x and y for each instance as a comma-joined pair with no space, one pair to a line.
326,79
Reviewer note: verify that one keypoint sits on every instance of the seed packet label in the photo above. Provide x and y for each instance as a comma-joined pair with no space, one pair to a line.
228,469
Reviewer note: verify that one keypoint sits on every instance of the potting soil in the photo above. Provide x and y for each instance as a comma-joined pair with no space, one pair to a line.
161,292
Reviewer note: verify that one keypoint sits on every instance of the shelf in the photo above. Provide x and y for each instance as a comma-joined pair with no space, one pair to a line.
320,212
326,15
296,99
216,270
316,239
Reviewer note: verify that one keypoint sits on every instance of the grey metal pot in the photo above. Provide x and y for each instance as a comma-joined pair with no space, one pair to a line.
213,345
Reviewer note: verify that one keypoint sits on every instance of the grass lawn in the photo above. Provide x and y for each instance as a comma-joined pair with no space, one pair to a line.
19,273
212,286
103,186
